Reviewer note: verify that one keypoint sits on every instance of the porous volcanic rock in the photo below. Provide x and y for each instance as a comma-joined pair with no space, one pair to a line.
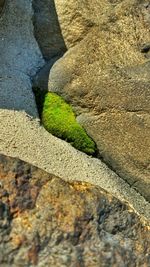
45,221
105,76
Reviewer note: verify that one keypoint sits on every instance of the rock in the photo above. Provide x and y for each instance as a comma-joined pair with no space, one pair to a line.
45,221
47,30
105,76
125,151
40,80
20,57
22,136
77,18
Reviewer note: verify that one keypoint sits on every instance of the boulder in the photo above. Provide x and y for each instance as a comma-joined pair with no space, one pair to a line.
45,221
20,57
105,76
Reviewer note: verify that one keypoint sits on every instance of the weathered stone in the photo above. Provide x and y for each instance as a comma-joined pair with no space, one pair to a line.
105,75
40,80
20,57
45,221
125,151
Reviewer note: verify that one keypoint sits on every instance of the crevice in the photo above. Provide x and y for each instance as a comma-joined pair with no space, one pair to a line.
3,4
122,177
47,30
145,48
112,110
137,111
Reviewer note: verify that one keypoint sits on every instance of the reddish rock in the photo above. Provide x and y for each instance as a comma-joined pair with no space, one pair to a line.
45,221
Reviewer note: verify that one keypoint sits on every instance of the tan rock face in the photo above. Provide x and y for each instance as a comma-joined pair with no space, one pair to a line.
45,221
105,75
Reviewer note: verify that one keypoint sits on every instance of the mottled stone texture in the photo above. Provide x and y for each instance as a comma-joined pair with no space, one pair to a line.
105,75
45,221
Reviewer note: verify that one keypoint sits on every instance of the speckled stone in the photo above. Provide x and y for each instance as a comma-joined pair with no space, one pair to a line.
45,221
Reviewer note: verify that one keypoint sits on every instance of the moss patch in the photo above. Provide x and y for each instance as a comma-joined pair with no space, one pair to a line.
59,119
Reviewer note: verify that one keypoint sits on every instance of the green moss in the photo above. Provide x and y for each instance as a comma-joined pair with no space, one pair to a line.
59,119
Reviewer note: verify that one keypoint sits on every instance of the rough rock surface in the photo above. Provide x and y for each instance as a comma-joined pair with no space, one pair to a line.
45,221
20,57
105,75
22,136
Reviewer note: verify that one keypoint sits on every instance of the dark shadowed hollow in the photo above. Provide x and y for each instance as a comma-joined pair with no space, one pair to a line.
2,4
47,29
